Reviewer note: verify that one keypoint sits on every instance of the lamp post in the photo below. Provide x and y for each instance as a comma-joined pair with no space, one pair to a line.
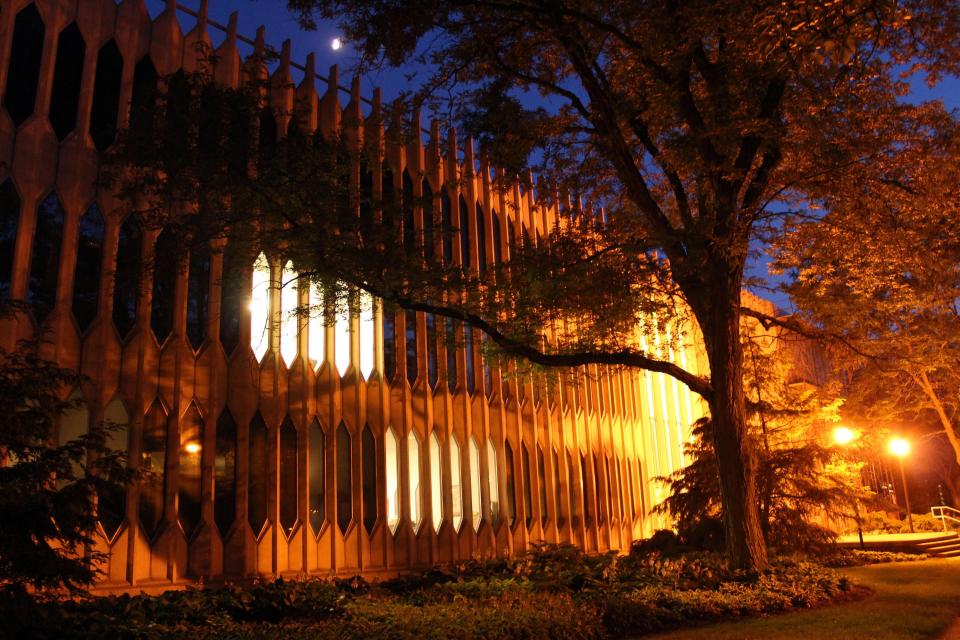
900,447
843,436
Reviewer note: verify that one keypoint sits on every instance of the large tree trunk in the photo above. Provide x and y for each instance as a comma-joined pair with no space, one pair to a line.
717,308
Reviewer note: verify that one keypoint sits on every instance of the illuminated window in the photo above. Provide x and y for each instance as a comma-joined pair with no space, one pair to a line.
391,450
316,480
153,457
413,471
289,320
511,485
86,278
260,307
368,347
368,478
224,473
341,337
476,508
316,328
257,482
289,472
436,482
189,470
456,484
112,498
493,481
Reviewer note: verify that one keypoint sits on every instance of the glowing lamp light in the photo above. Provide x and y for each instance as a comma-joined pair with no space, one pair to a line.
899,447
844,435
336,44
192,447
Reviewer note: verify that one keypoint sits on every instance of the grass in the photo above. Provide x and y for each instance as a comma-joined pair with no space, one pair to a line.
911,600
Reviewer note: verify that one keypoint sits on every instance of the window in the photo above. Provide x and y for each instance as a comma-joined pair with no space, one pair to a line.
620,491
344,490
481,242
366,201
188,481
126,278
487,370
198,295
598,491
106,96
476,508
511,485
289,472
289,320
451,348
411,344
112,498
74,423
447,227
389,345
572,486
409,233
143,99
45,257
557,490
497,248
67,75
316,328
316,480
368,467
493,482
429,251
9,221
585,490
86,277
611,499
432,369
436,482
469,355
368,346
153,458
165,258
456,484
391,448
260,307
527,489
464,236
388,199
23,73
225,473
257,484
413,471
341,335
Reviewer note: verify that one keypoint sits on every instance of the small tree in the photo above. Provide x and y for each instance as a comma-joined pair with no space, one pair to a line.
48,500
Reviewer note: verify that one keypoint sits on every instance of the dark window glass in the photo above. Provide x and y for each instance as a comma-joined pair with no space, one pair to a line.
525,235
126,278
429,251
86,277
188,481
511,237
487,371
433,373
67,75
9,221
24,70
317,479
143,99
464,236
388,200
446,211
481,242
585,490
225,473
468,349
598,491
366,201
233,293
267,130
153,458
511,484
45,258
112,498
289,471
389,345
557,486
411,344
527,490
575,505
257,483
620,490
165,260
611,499
368,463
451,343
344,489
198,295
542,481
106,96
346,214
409,232
497,249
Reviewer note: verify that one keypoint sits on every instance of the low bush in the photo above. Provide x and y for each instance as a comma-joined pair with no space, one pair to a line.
858,557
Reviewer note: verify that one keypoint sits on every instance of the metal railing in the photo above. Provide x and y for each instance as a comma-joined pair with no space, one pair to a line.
944,513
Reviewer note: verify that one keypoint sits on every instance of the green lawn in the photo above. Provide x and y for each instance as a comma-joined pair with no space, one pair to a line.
912,600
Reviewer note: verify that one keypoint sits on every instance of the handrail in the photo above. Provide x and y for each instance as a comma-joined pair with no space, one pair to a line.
944,513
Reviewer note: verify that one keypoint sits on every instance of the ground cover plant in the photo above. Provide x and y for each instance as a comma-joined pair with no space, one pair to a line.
551,592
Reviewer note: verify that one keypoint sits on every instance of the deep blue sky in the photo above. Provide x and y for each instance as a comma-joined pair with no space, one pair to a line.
279,25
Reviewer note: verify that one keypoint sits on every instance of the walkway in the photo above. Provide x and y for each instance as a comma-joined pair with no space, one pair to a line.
912,601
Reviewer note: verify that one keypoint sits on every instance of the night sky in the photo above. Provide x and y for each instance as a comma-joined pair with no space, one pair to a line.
280,25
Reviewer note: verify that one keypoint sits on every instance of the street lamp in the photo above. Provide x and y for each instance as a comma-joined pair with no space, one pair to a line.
900,447
843,436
